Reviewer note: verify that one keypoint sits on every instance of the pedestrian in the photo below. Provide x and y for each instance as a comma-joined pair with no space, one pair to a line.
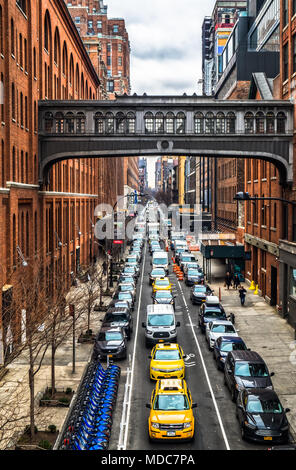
104,266
236,281
242,294
228,280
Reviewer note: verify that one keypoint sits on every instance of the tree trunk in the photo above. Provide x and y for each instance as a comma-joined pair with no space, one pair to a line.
32,393
53,351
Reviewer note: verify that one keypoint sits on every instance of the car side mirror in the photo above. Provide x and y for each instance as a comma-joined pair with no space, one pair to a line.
194,405
144,325
249,349
272,374
184,356
148,406
149,357
287,410
240,407
178,324
229,371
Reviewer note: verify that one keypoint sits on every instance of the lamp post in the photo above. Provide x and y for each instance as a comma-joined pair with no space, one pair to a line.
243,196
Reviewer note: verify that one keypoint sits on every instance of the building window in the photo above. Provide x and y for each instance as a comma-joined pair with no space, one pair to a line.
90,24
99,24
294,224
108,60
120,61
13,101
149,123
12,37
260,122
115,28
77,19
119,47
285,62
293,282
110,86
249,123
275,215
285,12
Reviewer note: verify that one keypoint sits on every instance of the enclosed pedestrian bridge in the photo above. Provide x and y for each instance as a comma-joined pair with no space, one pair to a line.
166,125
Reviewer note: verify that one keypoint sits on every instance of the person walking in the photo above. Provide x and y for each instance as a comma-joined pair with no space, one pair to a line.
236,281
242,295
104,266
228,280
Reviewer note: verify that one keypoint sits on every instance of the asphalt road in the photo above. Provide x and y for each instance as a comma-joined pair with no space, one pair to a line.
216,426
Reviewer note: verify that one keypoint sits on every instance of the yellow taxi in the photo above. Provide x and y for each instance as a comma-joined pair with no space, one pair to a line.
161,283
171,416
167,362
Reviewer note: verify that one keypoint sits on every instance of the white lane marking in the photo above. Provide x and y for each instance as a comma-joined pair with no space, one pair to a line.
125,420
206,373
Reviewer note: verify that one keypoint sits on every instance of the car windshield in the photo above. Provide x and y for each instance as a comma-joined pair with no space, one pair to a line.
223,329
158,272
264,406
110,336
192,266
249,369
171,403
167,355
226,347
163,283
214,314
186,259
123,295
159,261
116,318
126,288
200,289
193,272
163,295
160,320
121,305
127,279
129,270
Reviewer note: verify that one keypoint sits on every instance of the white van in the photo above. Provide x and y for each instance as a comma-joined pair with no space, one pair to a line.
160,259
161,325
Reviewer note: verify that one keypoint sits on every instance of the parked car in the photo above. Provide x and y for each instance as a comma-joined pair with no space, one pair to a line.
199,293
245,369
261,416
223,345
194,265
210,310
119,318
217,328
163,297
125,296
120,304
110,342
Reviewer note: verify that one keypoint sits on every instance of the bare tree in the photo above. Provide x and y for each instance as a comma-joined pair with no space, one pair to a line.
92,289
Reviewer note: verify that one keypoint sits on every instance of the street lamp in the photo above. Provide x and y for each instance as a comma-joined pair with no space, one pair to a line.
24,262
244,196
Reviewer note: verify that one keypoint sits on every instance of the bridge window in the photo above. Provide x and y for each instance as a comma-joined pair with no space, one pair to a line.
70,123
230,123
199,123
170,123
48,122
270,123
181,123
159,123
59,120
99,123
249,123
109,123
120,123
149,123
80,123
131,123
260,123
281,123
210,123
220,123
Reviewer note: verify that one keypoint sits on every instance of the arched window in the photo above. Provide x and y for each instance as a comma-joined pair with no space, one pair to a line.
120,123
249,123
82,87
99,123
65,60
109,123
13,101
170,123
1,30
131,123
210,123
71,76
199,123
281,123
80,123
70,128
86,90
59,120
159,123
149,123
270,123
220,123
180,123
260,122
230,123
47,32
13,165
77,79
57,48
48,121
12,40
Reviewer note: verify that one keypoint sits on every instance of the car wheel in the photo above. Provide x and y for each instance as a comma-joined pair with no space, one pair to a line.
233,395
225,382
243,435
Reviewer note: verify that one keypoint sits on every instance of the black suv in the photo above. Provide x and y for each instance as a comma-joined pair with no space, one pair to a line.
209,313
110,342
119,317
245,369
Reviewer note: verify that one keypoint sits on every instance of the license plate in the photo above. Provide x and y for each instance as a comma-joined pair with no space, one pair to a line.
268,438
110,355
161,340
171,433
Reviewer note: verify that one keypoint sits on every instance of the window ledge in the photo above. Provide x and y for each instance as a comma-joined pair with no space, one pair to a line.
264,180
273,229
273,178
256,225
264,226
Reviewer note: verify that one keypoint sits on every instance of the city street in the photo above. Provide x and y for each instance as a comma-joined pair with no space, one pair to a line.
216,424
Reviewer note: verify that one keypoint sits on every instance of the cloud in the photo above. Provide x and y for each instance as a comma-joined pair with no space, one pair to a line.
165,38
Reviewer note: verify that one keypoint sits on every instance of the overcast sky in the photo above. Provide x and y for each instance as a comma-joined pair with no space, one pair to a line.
165,38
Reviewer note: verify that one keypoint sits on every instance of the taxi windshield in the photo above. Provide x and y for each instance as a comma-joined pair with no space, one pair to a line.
172,355
171,402
163,283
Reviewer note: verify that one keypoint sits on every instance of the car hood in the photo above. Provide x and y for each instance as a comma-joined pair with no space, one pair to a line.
253,382
167,364
199,294
215,336
110,344
268,420
171,417
116,324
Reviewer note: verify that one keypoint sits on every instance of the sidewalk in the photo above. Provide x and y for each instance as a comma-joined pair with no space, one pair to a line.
265,332
14,385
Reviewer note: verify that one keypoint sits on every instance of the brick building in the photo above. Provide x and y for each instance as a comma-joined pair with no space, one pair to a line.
43,57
